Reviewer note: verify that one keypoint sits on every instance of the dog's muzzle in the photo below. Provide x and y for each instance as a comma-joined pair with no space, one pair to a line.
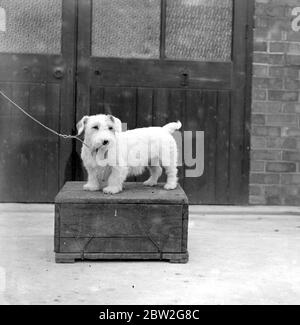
101,146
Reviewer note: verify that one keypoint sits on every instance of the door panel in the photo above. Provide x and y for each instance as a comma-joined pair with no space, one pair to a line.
32,27
199,30
37,72
195,73
126,28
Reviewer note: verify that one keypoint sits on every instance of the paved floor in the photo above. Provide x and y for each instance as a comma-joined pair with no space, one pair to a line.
237,256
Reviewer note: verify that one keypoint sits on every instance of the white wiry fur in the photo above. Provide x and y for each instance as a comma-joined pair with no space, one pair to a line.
127,153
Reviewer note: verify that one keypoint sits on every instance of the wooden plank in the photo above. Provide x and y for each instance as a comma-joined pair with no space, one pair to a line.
57,228
51,166
6,150
20,144
145,97
238,192
248,100
97,101
159,74
202,106
116,245
210,134
185,225
67,148
160,222
160,107
222,153
121,102
83,58
137,193
171,257
37,145
26,68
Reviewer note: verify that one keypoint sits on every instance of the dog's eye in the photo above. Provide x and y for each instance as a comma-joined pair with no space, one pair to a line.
96,127
110,128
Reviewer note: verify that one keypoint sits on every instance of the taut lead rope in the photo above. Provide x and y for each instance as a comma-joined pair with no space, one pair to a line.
65,136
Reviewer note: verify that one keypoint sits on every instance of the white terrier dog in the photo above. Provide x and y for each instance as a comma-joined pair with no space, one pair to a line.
126,153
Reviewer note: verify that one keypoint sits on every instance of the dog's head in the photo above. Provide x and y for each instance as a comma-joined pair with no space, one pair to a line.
99,131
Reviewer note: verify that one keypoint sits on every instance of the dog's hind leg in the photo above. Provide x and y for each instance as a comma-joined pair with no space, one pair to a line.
155,173
171,172
169,162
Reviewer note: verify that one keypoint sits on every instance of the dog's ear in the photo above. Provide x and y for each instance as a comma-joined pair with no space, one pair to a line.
81,125
117,123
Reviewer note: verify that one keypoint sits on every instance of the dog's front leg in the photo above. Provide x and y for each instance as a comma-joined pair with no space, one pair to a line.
93,182
115,180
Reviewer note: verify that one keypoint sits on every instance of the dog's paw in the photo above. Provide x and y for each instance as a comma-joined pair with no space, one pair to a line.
112,189
91,187
170,186
150,182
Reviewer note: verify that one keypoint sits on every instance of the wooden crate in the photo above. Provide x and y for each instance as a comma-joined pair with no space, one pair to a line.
139,223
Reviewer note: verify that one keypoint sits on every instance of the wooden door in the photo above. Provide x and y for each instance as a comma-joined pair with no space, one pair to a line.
37,72
150,62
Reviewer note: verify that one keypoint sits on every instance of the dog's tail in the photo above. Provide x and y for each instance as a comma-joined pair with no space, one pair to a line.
172,127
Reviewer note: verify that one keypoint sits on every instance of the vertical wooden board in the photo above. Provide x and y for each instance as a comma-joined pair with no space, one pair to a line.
19,170
37,144
222,155
145,98
185,225
52,141
247,99
211,140
67,117
201,105
5,145
195,188
239,182
97,100
121,102
57,228
160,107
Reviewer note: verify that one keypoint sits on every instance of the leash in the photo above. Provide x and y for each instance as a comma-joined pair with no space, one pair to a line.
64,136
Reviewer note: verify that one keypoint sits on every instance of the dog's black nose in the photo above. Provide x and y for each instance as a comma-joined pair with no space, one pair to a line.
105,142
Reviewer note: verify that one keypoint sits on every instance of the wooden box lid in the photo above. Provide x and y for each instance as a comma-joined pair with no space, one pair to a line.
72,192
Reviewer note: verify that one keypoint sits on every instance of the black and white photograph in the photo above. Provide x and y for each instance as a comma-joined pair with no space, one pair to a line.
149,154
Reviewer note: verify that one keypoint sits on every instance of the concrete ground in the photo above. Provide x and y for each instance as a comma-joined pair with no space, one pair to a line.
237,256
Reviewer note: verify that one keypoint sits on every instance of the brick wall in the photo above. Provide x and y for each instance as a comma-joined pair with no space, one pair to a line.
275,132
